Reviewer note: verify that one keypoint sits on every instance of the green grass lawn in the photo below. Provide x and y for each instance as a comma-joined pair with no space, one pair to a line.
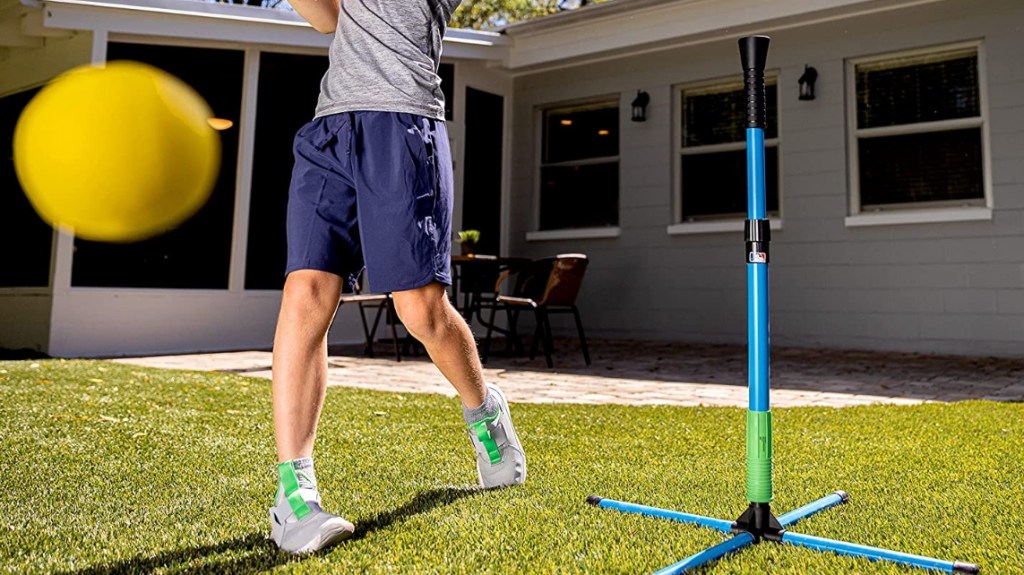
109,468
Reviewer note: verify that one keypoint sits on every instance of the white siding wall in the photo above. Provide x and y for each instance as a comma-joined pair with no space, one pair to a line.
106,322
951,287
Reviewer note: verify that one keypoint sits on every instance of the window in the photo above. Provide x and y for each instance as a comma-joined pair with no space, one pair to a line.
916,139
197,254
289,85
579,171
712,152
26,239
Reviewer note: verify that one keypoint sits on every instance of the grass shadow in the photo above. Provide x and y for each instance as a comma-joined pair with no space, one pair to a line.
255,553
423,502
262,555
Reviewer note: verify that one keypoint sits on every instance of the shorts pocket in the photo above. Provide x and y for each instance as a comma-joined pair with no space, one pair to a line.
321,132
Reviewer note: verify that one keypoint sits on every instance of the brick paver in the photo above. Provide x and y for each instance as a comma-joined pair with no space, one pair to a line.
645,373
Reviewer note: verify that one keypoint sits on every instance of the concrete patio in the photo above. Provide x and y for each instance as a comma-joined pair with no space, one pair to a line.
658,373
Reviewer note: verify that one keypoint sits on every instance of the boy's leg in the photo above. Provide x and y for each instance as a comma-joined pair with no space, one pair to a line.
429,316
308,305
403,178
323,255
297,522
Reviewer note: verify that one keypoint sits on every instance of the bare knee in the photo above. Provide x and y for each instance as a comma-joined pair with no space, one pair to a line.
311,292
424,311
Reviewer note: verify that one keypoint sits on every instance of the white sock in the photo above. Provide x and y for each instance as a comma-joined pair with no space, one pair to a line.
303,467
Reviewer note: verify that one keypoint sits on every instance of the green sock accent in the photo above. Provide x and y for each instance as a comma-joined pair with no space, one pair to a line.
483,435
759,456
290,483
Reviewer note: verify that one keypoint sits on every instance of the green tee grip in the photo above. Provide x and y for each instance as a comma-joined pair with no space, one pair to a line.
759,456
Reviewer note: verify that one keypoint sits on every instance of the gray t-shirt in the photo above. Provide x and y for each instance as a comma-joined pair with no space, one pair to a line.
384,57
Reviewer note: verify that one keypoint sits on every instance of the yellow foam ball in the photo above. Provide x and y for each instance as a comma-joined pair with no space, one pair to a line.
117,154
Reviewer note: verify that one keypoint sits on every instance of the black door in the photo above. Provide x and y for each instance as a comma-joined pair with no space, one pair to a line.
481,187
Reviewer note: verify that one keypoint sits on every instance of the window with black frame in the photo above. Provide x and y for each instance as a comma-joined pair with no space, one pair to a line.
712,152
579,170
917,139
26,239
197,254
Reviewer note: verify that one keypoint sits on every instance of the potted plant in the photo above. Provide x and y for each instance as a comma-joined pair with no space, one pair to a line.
469,239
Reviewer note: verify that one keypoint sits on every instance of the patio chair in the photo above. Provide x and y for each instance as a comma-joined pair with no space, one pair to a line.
547,286
384,304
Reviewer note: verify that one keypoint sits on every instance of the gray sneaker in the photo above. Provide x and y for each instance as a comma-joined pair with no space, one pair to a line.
300,527
500,461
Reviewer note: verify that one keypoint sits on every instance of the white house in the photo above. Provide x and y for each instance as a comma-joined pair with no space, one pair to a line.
896,194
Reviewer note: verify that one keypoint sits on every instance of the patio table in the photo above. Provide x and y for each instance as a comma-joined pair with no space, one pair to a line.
474,277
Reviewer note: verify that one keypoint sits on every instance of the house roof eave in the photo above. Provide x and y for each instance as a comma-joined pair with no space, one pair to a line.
221,22
622,28
582,14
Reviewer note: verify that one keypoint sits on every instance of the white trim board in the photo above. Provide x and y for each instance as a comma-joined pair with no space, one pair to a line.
935,216
595,37
228,23
714,227
574,234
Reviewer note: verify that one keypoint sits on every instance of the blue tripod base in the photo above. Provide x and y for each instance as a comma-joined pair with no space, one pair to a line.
742,538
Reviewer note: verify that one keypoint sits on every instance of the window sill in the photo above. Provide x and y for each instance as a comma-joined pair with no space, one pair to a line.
573,234
714,227
919,217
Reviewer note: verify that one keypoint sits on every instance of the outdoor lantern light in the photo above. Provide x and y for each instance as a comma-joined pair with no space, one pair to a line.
220,124
807,83
640,106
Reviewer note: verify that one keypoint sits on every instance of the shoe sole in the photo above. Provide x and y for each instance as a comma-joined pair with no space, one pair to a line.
333,532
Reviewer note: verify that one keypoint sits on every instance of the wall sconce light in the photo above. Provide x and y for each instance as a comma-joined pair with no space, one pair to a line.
640,106
220,124
807,82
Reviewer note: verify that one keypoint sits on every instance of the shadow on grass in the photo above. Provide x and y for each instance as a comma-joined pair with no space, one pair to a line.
255,553
423,502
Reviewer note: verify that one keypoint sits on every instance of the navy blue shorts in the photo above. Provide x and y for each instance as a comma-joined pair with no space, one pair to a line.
372,189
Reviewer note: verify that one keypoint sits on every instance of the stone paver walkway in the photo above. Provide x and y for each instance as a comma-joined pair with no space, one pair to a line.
645,373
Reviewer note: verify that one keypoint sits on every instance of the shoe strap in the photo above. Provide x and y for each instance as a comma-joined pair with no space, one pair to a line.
290,484
482,430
